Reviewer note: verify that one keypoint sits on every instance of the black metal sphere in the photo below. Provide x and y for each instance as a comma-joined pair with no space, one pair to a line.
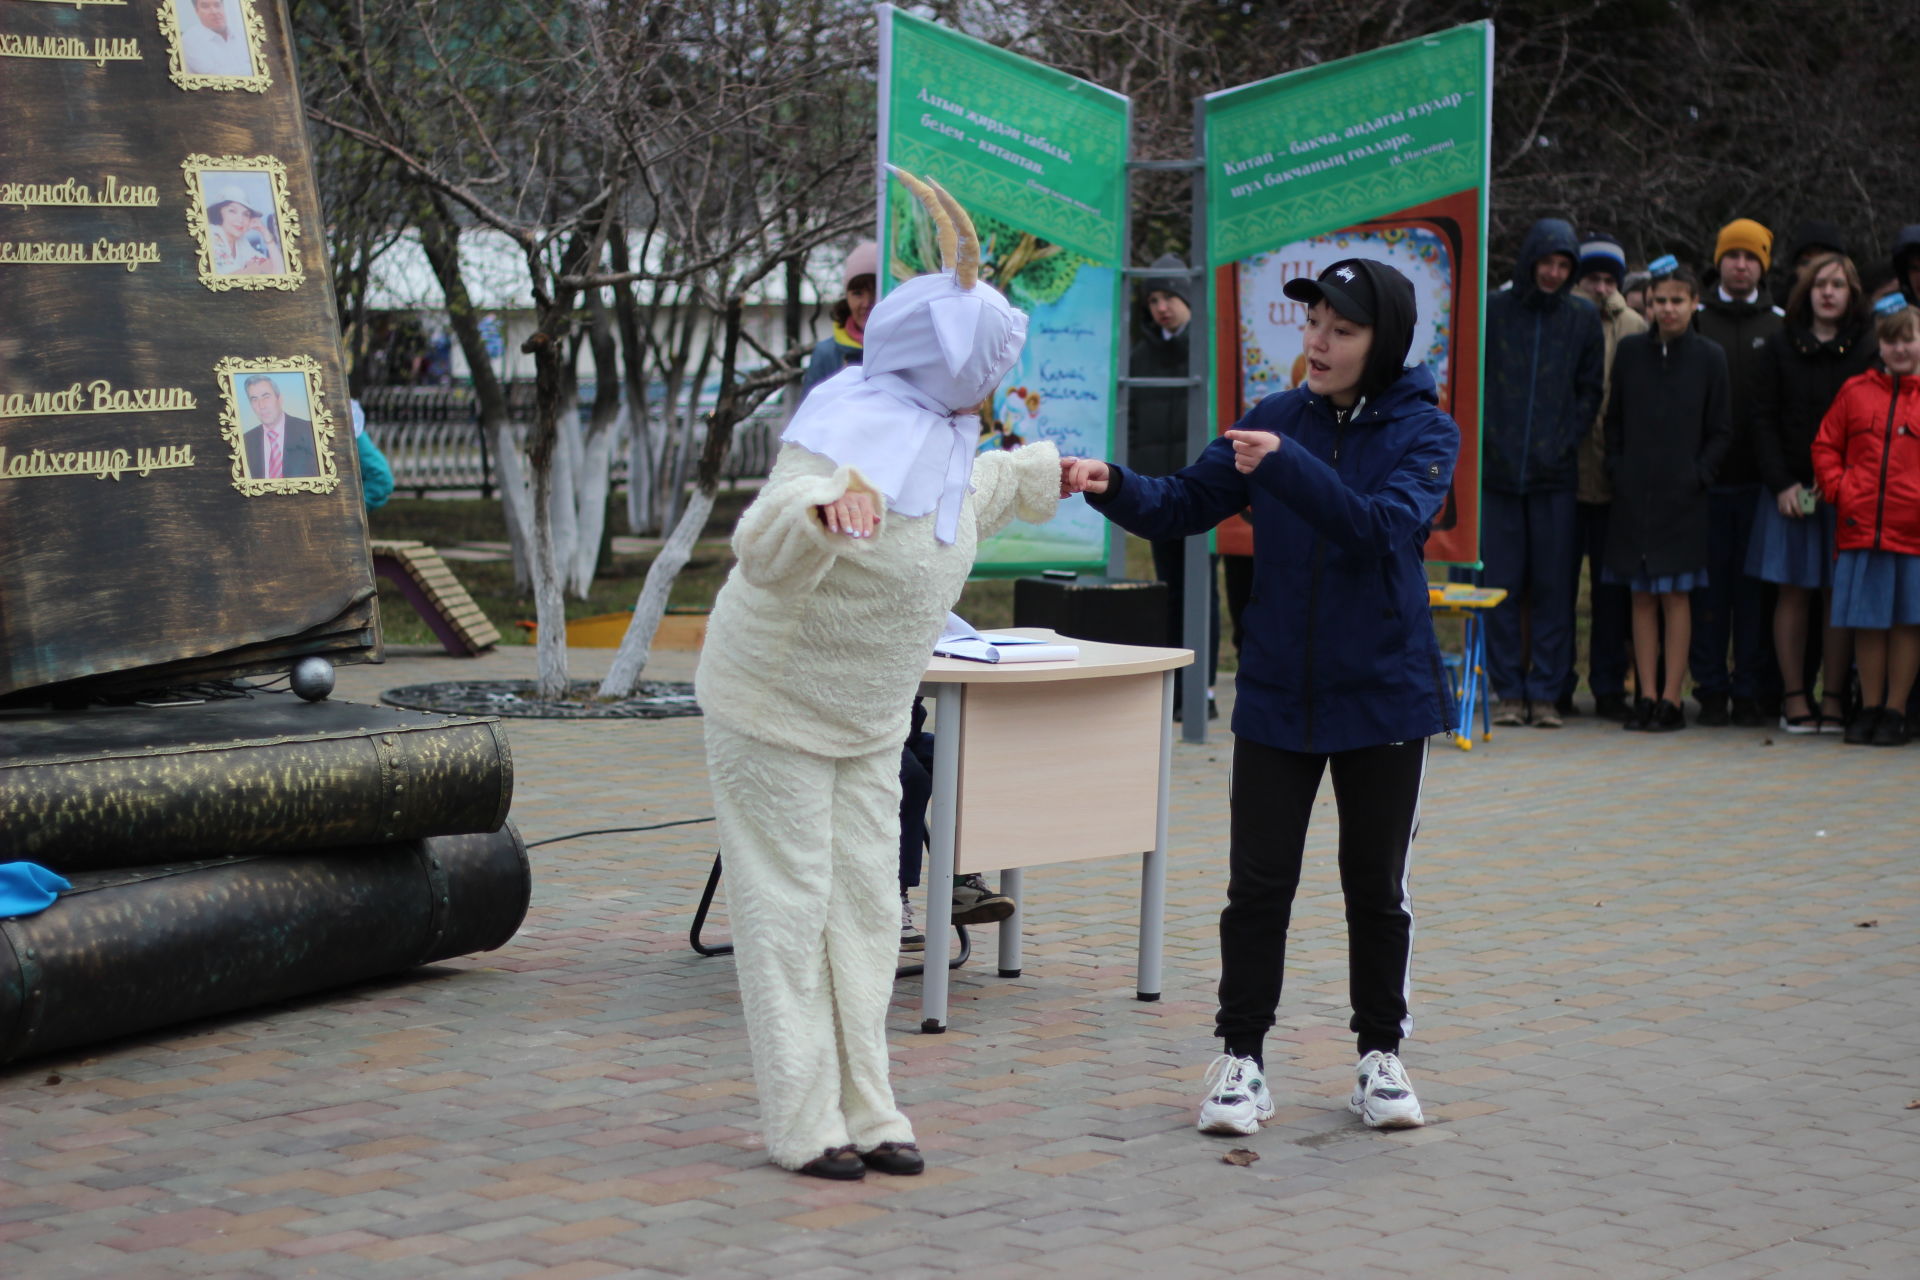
312,678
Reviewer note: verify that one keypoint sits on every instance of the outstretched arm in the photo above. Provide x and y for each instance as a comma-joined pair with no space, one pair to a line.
1161,508
1372,523
1018,483
809,513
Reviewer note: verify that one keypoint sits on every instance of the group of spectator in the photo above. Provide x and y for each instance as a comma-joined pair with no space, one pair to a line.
1731,463
1727,468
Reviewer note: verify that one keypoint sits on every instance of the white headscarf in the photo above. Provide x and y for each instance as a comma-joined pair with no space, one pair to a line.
903,417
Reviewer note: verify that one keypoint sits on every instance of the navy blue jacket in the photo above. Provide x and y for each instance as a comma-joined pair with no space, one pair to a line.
1339,651
1545,372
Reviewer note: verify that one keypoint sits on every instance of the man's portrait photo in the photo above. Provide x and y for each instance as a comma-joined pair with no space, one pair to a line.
214,44
277,426
243,222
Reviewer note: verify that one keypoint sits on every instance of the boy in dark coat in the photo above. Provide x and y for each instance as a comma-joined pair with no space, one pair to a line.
1545,368
1735,610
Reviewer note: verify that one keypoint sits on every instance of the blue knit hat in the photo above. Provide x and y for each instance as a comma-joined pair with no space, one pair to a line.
1602,253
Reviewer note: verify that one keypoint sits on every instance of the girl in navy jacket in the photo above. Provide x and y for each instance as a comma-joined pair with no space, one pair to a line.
1340,669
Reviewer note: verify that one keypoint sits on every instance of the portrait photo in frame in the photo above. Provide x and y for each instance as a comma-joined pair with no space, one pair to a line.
243,222
276,425
215,44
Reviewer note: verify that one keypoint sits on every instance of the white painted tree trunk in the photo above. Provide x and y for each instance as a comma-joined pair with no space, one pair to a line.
592,479
563,504
636,647
516,500
640,453
549,604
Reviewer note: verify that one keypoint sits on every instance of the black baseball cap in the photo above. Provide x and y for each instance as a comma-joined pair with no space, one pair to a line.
1345,286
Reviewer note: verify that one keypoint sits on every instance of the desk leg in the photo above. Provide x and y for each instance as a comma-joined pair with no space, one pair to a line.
947,716
1010,927
1469,683
1153,867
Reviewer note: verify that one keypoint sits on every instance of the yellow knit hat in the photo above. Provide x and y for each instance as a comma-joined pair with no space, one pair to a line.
1745,233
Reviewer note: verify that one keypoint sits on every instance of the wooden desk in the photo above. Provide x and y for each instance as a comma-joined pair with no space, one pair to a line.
1040,762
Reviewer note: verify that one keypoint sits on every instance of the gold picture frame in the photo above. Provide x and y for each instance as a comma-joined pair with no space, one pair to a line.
253,34
317,474
245,179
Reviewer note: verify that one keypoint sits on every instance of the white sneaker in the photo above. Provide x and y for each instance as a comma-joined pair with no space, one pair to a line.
1237,1098
1382,1094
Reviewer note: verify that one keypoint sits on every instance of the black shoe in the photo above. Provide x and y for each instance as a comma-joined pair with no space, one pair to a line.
1860,729
1612,706
1746,713
1892,729
1713,709
977,902
899,1158
1641,717
1565,707
1667,717
842,1164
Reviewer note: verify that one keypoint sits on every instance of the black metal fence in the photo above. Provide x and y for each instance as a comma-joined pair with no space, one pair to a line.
431,436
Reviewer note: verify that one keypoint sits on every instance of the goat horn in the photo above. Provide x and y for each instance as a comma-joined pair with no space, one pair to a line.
966,265
948,235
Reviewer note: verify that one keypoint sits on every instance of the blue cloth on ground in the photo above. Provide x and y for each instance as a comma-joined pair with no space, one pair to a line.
27,888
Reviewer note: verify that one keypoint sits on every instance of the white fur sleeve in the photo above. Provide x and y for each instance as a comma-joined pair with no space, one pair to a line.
1010,483
779,541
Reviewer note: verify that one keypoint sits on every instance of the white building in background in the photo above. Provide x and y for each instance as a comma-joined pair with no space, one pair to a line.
401,281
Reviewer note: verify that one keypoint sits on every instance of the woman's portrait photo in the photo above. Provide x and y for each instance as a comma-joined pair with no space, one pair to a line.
214,44
243,222
276,425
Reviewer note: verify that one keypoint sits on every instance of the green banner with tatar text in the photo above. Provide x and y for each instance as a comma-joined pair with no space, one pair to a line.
1327,146
1038,159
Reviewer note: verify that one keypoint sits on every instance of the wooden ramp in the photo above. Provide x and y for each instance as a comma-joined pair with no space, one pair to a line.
438,597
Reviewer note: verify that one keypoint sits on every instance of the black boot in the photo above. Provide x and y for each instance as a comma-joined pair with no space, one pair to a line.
902,1158
841,1164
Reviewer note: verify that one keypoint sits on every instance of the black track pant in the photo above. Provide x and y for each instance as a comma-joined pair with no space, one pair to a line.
1377,790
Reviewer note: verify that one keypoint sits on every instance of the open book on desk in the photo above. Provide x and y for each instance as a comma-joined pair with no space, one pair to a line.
958,639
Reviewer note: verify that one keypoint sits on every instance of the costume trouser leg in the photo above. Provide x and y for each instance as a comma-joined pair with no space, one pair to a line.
813,893
1377,790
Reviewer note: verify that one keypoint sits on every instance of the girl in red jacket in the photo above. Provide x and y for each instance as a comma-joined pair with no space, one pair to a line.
1867,456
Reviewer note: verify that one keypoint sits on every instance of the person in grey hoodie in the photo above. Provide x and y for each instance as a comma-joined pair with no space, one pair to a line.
1545,372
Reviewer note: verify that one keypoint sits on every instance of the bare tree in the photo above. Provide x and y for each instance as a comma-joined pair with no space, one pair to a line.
690,148
1656,122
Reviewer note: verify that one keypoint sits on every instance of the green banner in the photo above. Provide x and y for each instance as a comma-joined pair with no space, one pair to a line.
1380,156
1314,150
1038,158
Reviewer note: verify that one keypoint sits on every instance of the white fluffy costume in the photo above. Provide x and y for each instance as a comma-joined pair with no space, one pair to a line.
813,652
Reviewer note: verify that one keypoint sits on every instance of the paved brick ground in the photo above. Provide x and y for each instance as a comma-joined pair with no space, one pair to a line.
1668,1020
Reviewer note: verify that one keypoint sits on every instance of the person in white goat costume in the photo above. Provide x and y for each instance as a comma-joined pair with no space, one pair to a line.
847,564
